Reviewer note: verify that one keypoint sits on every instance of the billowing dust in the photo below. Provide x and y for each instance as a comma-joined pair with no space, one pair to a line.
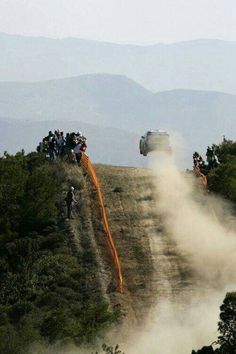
204,231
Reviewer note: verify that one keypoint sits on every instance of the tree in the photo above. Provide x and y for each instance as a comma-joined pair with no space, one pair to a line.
204,350
227,325
226,341
43,297
222,179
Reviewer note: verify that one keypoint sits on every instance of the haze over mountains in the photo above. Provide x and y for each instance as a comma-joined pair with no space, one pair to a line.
114,110
117,102
199,64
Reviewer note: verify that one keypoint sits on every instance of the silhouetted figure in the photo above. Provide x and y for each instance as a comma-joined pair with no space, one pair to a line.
70,200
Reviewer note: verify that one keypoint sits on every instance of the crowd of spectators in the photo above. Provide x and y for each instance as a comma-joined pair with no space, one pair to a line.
212,161
67,147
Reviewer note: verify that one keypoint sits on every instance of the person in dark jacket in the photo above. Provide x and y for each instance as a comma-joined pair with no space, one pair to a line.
70,201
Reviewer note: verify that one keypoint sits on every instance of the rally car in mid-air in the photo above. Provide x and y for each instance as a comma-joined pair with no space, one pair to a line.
154,140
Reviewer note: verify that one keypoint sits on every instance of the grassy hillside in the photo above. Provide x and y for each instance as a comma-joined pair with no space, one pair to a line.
58,282
47,293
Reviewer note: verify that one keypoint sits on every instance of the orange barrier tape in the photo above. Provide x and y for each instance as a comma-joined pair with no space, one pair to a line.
203,178
204,183
92,174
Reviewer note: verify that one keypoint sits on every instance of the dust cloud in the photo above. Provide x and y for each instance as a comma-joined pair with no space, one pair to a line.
203,230
191,220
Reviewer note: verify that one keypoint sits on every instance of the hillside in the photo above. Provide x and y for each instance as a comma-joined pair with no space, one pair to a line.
58,275
152,266
199,64
96,99
176,247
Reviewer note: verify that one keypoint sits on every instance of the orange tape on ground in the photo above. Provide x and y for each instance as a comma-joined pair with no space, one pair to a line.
90,170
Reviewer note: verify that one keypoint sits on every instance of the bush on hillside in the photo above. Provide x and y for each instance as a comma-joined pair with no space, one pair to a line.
227,328
42,293
111,350
118,190
222,179
227,324
204,350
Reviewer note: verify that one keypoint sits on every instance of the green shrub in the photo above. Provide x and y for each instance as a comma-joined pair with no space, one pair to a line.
111,350
44,296
118,190
222,180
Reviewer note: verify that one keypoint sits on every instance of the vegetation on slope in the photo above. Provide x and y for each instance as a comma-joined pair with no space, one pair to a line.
226,341
42,296
222,179
42,293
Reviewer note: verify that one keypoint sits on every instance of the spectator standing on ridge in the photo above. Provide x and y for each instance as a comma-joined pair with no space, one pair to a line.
52,148
71,156
60,142
77,150
70,200
210,155
83,146
68,148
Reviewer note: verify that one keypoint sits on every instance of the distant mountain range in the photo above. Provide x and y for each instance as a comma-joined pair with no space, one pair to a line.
112,108
106,100
199,64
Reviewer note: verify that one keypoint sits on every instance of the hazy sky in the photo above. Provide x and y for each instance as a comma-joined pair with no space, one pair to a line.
124,21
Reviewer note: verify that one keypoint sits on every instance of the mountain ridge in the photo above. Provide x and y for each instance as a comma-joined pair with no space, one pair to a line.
118,109
118,76
68,38
200,64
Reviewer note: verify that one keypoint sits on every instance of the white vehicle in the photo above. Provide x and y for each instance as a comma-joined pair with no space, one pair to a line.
154,140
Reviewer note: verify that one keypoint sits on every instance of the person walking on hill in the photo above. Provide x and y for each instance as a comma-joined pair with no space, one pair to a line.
70,200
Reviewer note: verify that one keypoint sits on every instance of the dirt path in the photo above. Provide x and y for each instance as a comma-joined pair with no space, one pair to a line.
124,192
81,237
152,268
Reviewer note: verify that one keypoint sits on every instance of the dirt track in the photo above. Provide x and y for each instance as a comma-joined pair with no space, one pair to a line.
152,268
